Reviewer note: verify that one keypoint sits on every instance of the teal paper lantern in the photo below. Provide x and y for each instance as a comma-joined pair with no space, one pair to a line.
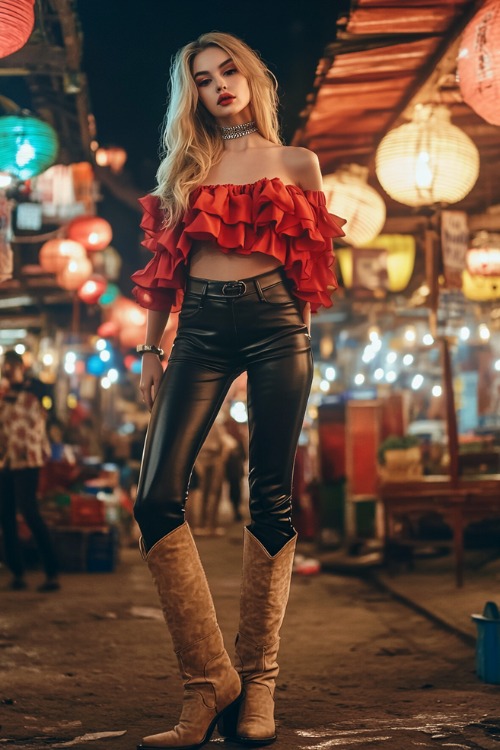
28,146
109,296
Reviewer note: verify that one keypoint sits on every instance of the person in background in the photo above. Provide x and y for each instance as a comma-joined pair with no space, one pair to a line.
235,467
210,465
24,448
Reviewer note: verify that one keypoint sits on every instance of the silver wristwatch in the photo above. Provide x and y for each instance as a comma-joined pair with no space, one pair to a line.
150,349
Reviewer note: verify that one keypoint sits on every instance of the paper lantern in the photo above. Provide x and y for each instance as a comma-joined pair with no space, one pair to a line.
126,313
400,249
75,273
479,63
483,258
109,295
480,288
427,160
93,232
17,18
108,330
55,254
28,145
349,195
92,289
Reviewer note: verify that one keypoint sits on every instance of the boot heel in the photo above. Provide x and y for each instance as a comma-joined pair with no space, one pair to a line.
228,720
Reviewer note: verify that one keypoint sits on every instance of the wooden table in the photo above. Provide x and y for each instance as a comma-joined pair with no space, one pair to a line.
459,502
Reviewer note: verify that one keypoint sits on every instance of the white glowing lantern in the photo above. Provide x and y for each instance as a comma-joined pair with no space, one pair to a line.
349,195
427,160
483,258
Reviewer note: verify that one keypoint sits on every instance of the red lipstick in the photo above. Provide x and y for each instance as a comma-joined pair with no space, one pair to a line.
225,99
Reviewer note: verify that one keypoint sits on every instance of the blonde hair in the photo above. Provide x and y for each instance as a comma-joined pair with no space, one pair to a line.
191,141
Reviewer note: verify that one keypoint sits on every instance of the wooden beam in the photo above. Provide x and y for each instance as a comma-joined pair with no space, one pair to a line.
35,58
426,80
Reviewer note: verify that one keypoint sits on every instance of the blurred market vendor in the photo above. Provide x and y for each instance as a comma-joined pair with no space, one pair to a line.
24,448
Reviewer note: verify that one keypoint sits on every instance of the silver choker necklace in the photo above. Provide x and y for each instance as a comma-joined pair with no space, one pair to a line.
237,131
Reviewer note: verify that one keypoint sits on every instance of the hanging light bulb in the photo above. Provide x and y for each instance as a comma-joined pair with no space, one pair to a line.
427,160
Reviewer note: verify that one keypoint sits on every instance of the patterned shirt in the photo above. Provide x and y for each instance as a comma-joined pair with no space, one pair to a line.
23,436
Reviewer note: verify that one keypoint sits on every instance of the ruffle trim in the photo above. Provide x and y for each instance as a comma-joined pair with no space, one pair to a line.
282,221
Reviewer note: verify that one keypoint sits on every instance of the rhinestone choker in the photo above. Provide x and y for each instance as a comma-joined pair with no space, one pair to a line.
237,131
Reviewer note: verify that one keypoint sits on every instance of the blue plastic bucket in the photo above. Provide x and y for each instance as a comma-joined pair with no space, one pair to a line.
488,644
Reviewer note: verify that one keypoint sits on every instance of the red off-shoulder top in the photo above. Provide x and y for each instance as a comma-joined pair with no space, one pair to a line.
267,216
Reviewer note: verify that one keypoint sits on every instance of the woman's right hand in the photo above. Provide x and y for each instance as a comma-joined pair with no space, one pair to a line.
151,374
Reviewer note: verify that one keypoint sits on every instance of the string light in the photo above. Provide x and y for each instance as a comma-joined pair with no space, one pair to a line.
417,382
484,332
410,335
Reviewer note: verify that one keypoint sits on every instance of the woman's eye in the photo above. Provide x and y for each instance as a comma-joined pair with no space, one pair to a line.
230,71
205,82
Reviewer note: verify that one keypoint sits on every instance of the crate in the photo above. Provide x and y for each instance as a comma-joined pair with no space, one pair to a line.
70,547
86,510
103,550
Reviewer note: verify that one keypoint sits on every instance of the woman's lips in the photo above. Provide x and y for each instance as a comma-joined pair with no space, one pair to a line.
226,100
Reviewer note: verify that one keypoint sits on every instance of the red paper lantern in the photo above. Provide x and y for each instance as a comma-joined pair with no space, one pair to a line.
17,18
55,254
127,313
479,63
108,330
92,289
93,232
75,273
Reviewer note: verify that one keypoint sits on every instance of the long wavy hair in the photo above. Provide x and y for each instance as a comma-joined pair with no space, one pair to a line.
191,142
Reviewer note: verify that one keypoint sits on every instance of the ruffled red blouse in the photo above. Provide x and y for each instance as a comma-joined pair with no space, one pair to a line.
267,216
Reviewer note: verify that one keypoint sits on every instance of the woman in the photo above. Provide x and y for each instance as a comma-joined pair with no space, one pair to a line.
242,246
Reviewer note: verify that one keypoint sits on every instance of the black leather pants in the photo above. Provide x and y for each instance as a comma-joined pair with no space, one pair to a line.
222,333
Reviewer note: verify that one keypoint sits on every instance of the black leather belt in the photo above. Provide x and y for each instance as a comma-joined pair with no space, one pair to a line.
236,288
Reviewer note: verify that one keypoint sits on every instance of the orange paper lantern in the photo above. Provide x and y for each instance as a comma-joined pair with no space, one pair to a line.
75,273
93,232
55,254
92,289
17,18
479,63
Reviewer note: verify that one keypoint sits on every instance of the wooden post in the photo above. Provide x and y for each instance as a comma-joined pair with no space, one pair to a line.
451,416
75,320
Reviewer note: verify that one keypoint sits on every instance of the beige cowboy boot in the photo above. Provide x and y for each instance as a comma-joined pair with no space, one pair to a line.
264,596
211,684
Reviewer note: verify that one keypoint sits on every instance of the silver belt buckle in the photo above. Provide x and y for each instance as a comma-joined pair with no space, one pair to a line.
234,289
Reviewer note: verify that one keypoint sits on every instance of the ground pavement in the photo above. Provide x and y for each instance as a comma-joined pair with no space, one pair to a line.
91,666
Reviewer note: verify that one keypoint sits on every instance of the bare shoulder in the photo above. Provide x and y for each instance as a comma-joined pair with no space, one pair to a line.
303,164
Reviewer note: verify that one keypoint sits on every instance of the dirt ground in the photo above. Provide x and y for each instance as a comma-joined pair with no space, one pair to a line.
358,669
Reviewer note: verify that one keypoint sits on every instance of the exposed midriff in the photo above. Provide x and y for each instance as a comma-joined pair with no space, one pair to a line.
207,262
